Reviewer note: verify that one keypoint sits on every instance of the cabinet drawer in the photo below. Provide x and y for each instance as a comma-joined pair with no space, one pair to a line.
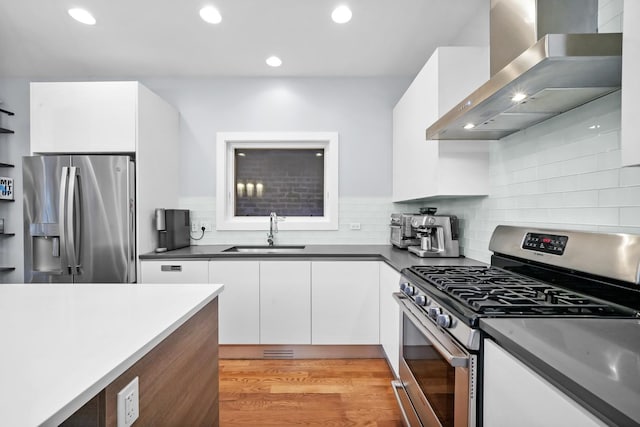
173,271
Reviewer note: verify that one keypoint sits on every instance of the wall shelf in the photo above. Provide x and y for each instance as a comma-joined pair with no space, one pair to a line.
6,210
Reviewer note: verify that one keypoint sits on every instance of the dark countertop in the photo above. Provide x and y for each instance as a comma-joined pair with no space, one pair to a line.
396,258
595,361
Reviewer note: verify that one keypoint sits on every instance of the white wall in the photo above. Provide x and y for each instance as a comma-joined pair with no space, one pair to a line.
359,109
563,173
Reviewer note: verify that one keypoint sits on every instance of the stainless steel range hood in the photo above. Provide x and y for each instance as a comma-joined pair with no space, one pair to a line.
557,73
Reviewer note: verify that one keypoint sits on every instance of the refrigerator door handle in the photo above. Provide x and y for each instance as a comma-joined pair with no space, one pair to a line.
62,217
73,218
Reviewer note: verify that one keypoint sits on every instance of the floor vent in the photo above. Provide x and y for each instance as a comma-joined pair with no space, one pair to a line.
277,354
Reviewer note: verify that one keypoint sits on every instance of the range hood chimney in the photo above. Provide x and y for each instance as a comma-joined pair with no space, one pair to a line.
546,58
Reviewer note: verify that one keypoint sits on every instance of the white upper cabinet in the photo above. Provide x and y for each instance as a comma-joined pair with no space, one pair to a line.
630,126
114,117
84,117
421,168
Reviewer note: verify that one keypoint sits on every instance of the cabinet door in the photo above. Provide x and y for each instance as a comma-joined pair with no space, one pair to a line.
390,315
239,304
83,117
174,271
345,302
512,391
450,74
285,302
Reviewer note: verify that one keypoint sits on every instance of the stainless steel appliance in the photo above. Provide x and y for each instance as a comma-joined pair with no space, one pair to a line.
533,273
79,219
550,53
402,234
437,234
174,228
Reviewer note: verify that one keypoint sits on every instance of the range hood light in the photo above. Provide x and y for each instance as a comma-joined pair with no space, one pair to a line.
469,126
518,97
593,127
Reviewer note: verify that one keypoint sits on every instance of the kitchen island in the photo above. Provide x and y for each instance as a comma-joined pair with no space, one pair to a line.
68,349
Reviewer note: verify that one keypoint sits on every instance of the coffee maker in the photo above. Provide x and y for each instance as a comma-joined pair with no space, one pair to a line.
174,227
438,235
402,235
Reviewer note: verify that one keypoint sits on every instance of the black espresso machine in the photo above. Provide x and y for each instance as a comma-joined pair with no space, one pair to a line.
174,227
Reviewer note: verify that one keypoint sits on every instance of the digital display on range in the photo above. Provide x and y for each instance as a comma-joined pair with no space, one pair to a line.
548,243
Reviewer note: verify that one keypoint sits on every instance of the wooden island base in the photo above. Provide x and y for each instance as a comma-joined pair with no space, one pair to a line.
178,380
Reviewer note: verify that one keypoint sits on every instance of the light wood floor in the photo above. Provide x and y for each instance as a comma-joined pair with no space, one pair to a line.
327,392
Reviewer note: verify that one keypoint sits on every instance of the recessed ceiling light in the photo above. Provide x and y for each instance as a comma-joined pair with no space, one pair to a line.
274,61
469,126
211,15
519,97
341,15
83,16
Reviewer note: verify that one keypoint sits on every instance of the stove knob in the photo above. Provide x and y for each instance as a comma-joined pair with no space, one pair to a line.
411,291
444,320
421,300
434,312
403,285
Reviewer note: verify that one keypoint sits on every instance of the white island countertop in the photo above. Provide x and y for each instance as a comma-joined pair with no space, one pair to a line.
61,344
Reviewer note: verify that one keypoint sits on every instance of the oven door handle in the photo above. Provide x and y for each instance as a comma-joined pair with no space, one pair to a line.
441,342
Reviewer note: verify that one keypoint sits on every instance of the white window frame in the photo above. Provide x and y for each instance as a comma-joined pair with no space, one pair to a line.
228,142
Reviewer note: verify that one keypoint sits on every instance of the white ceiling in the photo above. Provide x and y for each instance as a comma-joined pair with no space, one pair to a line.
156,38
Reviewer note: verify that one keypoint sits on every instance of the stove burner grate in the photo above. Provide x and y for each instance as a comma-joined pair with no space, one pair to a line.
492,291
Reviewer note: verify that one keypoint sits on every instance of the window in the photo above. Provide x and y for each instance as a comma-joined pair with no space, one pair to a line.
291,174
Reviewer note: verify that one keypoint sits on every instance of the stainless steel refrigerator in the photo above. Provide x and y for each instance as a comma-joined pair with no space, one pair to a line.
79,219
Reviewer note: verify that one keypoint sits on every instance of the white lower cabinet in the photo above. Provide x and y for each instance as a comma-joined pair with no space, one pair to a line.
345,302
285,302
515,395
239,302
390,316
174,271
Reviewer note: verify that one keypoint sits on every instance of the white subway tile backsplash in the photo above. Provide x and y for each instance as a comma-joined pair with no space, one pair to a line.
579,183
626,196
629,176
630,216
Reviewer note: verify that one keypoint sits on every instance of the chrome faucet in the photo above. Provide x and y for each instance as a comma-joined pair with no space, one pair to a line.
273,226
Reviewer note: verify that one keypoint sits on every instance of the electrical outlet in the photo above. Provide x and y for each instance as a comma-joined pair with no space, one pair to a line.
206,225
354,226
194,225
128,404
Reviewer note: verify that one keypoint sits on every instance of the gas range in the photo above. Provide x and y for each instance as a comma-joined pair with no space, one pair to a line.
534,273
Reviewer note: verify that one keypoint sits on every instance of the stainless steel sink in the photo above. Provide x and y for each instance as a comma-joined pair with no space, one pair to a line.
265,249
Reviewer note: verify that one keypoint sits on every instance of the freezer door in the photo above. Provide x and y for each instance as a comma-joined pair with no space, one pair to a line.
102,209
44,250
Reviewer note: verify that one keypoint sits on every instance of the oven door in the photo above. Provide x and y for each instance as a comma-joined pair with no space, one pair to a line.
437,376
